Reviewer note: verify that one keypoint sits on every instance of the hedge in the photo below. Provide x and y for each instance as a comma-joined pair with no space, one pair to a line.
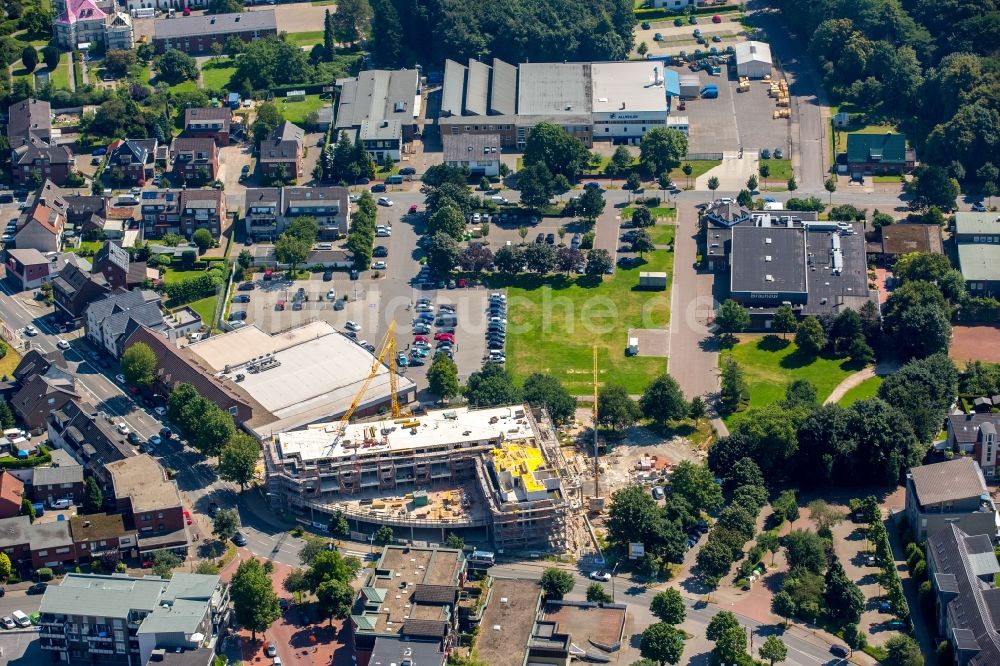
43,458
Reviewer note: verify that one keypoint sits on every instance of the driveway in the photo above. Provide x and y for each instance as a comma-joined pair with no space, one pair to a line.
232,159
297,16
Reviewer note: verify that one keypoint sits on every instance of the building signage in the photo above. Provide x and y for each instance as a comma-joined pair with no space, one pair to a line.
624,116
636,551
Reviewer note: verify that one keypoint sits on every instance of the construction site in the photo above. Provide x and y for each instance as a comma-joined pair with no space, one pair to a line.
413,473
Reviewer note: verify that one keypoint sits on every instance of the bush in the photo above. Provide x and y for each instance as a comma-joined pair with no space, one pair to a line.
44,574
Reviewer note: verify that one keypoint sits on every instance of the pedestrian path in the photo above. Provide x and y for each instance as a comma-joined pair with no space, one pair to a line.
733,172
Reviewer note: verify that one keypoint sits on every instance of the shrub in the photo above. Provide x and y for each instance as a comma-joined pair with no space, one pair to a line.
44,574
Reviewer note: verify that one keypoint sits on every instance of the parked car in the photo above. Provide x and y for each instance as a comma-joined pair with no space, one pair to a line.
385,201
378,265
352,325
378,187
603,576
7,622
37,588
407,171
327,276
380,251
239,539
62,344
645,25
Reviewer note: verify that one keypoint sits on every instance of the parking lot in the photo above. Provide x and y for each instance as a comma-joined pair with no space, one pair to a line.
733,119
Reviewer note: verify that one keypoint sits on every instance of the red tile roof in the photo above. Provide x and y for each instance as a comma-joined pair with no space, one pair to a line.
11,492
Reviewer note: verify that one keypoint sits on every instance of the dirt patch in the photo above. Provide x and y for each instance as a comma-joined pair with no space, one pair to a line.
975,343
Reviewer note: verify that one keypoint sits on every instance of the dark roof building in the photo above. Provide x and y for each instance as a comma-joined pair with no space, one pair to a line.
29,117
87,435
73,289
40,394
112,261
950,492
879,153
196,34
377,95
900,239
281,152
109,320
213,122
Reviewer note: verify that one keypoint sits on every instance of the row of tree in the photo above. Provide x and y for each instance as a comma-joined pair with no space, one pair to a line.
296,242
344,162
361,238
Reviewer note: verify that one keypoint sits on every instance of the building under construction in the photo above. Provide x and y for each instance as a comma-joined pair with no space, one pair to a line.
499,470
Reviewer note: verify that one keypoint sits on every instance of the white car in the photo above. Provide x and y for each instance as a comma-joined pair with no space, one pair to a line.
475,218
331,295
352,325
122,428
160,411
379,265
62,344
384,201
120,378
383,232
30,330
600,575
7,622
21,618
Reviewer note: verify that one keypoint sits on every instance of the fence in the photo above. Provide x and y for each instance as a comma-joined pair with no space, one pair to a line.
703,156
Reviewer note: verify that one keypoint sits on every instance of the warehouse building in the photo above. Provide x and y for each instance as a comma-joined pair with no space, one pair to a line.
498,470
380,108
613,101
753,59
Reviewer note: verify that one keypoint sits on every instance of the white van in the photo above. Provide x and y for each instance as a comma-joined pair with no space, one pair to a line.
63,503
21,619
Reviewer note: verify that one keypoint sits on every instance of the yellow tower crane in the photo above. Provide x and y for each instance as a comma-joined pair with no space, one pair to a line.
387,348
597,472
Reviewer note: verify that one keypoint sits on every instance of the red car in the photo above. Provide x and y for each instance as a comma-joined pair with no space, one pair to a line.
187,11
450,337
147,564
187,517
716,19
413,209
420,338
462,284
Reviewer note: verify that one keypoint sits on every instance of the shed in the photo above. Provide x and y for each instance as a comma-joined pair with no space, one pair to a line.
653,280
689,85
753,59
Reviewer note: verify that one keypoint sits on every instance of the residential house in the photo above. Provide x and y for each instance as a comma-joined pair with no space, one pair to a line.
33,546
110,319
962,568
209,123
132,161
41,226
27,268
112,262
151,502
88,435
98,533
74,288
479,153
281,153
377,95
975,434
383,139
11,494
268,210
195,159
82,22
411,594
119,620
977,238
27,118
175,365
33,152
878,154
183,211
950,492
896,240
39,394
195,34
58,481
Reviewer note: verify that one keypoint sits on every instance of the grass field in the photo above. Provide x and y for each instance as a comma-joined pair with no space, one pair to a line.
698,168
781,171
88,248
60,76
205,307
9,361
555,320
171,275
658,212
771,364
662,234
306,38
296,112
863,391
217,74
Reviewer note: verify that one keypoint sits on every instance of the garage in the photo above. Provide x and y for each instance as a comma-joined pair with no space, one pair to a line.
753,59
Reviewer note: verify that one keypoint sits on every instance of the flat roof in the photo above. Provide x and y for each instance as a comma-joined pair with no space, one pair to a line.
904,238
108,596
628,87
849,285
320,371
587,622
143,480
768,259
979,261
554,89
470,147
441,428
378,94
967,222
508,619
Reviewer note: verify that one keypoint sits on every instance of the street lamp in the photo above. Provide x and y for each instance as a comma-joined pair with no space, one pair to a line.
613,570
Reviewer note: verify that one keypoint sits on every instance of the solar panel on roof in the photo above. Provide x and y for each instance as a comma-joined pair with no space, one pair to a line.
149,195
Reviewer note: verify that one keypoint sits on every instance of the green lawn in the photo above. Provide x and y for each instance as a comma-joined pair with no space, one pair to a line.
662,234
78,72
178,274
88,248
217,74
10,361
863,391
555,320
60,76
658,212
698,168
296,112
306,38
781,171
770,364
205,307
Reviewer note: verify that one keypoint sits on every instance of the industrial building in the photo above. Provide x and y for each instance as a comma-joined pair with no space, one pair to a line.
380,108
753,59
606,101
817,267
499,469
300,376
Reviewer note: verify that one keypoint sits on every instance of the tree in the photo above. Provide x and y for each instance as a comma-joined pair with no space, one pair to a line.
744,198
238,460
615,408
668,606
633,183
203,239
245,259
784,321
569,260
5,567
663,400
792,184
509,259
295,582
731,647
688,170
734,389
902,650
932,186
745,472
51,55
225,524
989,190
443,253
597,594
773,650
454,541
856,639
830,185
224,7
139,365
291,250
164,563
311,549
805,549
598,262
551,145
384,535
764,171
809,336
448,219
662,643
540,257
338,525
28,509
6,415
844,599
491,386
93,498
752,182
29,57
590,205
175,66
253,597
696,484
267,118
642,49
731,318
800,393
634,516
713,184
783,605
719,624
545,391
442,377
642,243
662,148
621,159
786,506
335,598
535,184
556,583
